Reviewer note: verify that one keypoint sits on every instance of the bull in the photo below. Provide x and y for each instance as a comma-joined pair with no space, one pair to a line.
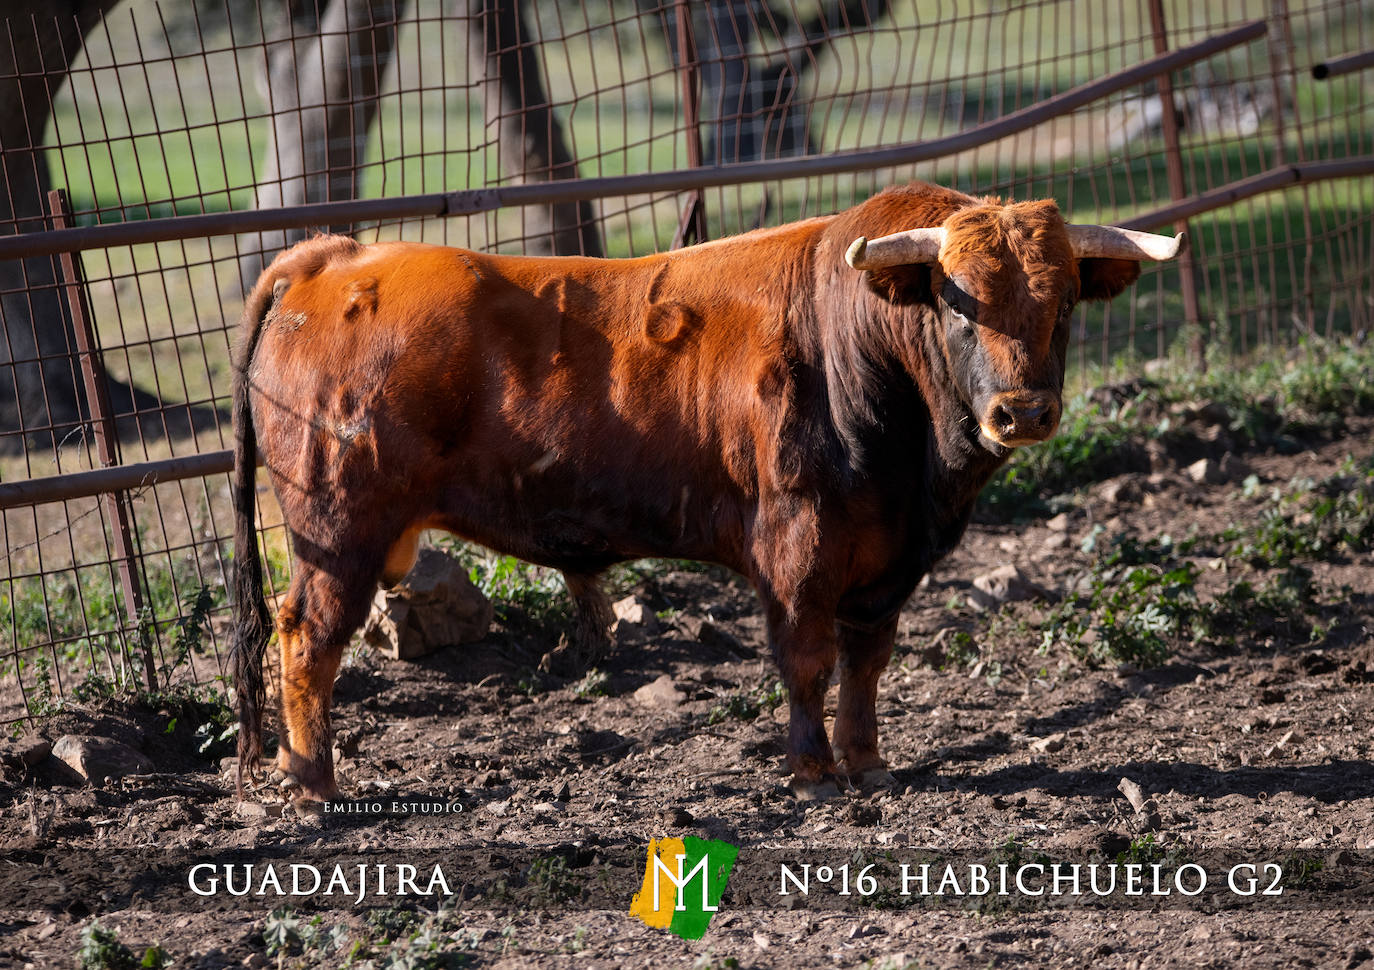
815,406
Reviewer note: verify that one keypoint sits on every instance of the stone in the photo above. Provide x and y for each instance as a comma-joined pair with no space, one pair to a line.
1049,744
96,759
347,742
1005,584
1122,490
434,606
24,754
633,610
1206,471
662,692
633,620
1060,523
258,810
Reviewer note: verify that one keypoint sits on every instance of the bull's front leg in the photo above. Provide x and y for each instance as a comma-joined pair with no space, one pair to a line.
864,655
806,649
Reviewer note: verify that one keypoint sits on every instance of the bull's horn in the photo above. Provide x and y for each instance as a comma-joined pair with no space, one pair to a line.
1109,242
898,249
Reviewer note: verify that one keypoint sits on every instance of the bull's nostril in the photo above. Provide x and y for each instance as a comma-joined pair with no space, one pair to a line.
1021,419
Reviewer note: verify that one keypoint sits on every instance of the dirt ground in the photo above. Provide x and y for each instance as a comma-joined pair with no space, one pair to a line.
1258,745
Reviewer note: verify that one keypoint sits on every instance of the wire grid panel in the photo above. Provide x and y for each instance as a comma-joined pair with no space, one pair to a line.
178,108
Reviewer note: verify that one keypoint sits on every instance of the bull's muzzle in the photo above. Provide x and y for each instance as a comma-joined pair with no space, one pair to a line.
1015,418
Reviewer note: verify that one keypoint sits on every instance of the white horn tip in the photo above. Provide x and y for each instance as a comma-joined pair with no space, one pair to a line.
855,253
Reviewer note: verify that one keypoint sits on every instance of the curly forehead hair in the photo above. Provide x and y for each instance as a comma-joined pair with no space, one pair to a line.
1016,262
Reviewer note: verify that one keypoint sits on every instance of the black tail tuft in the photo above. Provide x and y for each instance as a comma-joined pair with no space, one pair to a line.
252,622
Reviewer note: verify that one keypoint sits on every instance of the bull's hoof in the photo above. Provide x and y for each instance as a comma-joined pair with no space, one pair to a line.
868,774
815,791
298,791
873,779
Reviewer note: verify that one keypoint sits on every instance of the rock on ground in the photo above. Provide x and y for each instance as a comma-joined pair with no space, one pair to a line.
633,619
96,759
1005,584
25,753
662,692
435,606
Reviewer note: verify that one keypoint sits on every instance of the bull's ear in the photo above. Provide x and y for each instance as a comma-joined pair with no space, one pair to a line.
1102,279
903,285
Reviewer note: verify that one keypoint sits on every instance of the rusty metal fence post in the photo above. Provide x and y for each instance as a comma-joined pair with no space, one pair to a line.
692,225
1173,160
103,427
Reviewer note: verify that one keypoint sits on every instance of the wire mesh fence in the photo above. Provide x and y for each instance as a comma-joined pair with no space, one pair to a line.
117,355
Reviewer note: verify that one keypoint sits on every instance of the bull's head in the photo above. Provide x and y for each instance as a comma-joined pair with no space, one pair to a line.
1003,282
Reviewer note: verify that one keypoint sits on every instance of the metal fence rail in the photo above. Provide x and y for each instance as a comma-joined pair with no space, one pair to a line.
193,143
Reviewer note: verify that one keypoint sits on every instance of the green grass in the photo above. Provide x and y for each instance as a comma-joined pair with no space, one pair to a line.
538,592
1128,615
746,705
1311,521
101,949
594,684
1141,598
66,635
1271,401
1089,447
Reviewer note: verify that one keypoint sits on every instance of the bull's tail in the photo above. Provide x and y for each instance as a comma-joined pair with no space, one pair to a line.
252,622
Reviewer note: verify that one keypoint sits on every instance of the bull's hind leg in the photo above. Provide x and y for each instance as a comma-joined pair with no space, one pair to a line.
864,655
327,601
590,641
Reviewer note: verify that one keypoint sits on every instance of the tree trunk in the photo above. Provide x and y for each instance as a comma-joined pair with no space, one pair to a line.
751,109
532,145
323,86
39,388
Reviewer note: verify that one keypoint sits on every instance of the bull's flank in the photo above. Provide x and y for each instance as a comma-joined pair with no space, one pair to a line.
756,402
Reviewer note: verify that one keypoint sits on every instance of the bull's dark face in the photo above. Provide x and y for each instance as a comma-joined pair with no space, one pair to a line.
1004,289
